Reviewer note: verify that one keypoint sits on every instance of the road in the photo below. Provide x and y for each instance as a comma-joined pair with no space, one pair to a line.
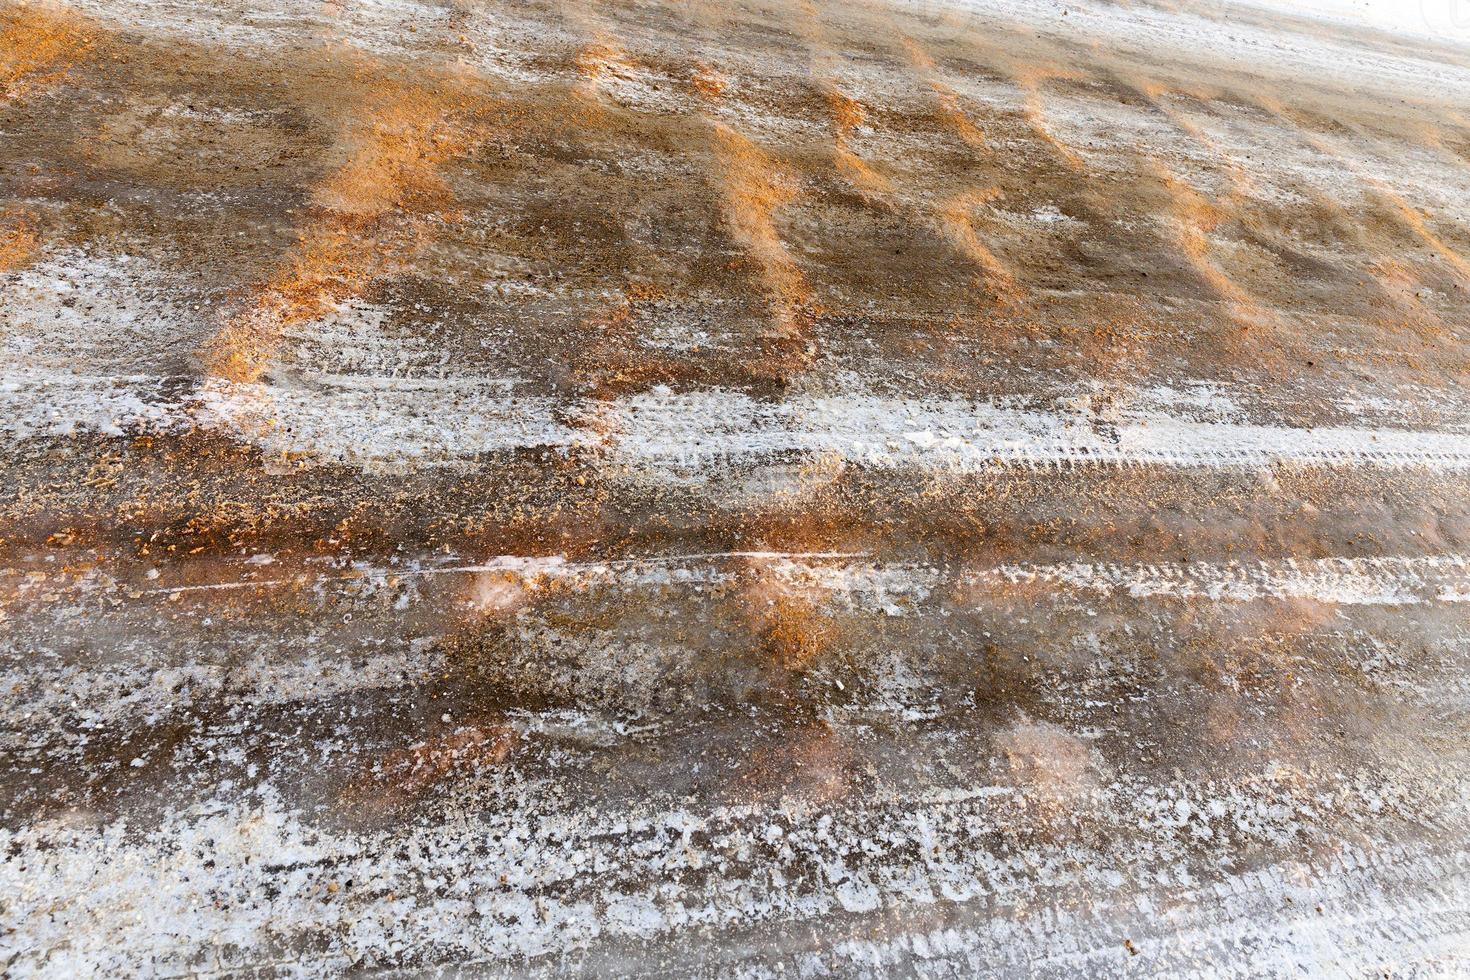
705,488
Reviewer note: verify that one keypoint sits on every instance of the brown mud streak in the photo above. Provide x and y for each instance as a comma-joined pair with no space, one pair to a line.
1191,217
1395,282
750,185
953,219
812,761
403,776
1031,80
1118,327
609,360
754,186
847,115
957,223
1194,218
846,112
397,136
1442,136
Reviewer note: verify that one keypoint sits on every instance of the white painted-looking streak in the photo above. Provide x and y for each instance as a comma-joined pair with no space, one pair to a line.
859,583
693,430
676,435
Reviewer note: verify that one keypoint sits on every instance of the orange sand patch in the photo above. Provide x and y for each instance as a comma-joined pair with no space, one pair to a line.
708,83
595,61
363,215
753,187
787,617
17,243
957,223
37,46
847,114
948,99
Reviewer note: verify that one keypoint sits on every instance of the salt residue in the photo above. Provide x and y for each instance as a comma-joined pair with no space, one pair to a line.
526,878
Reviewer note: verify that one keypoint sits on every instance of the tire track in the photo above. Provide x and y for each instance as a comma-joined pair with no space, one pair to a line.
537,895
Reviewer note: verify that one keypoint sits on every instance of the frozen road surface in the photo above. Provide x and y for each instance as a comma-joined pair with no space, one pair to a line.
733,488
